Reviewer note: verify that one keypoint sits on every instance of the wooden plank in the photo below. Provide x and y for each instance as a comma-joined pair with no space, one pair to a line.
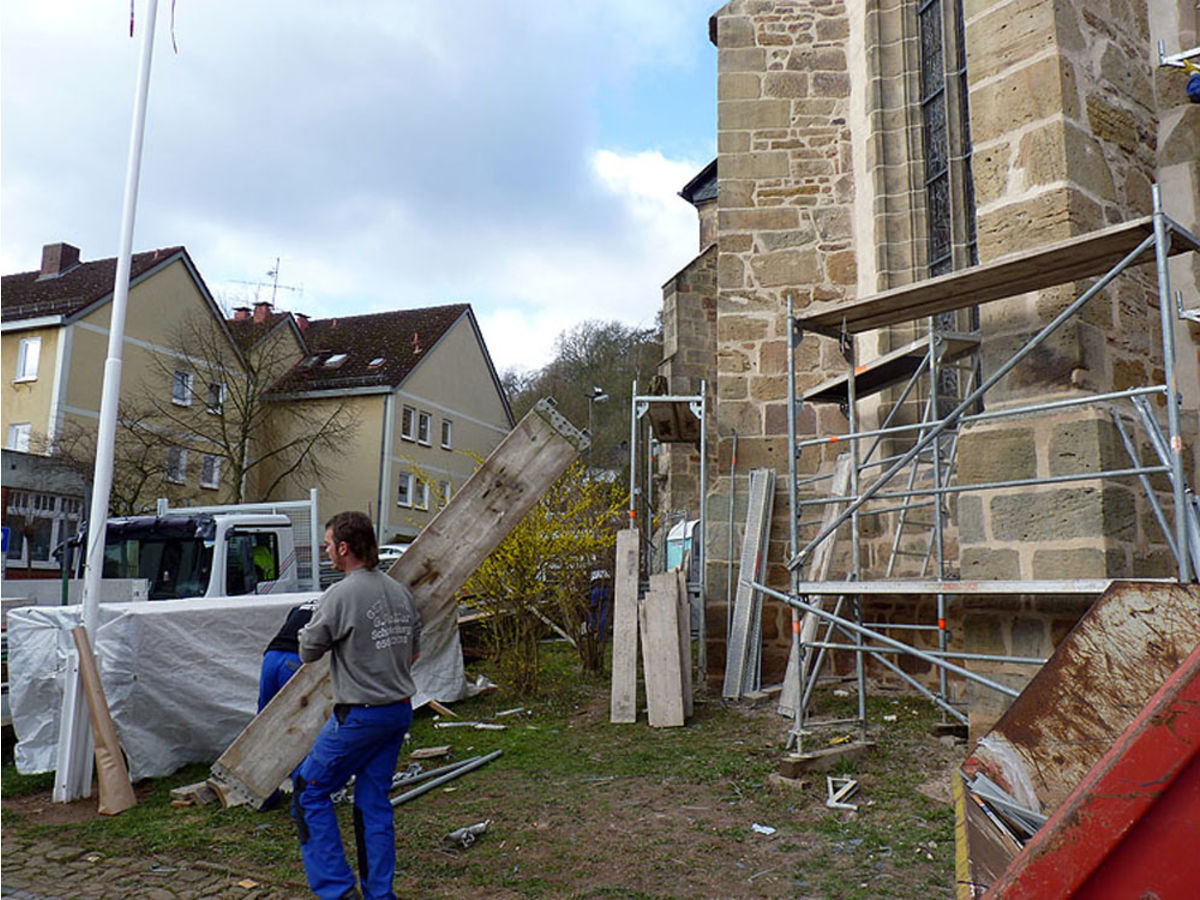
625,628
1078,257
820,564
685,638
483,512
743,639
659,615
888,370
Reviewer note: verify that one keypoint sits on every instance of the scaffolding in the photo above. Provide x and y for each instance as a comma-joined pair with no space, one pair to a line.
929,462
657,419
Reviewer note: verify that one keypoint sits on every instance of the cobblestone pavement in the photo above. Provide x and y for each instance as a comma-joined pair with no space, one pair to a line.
42,870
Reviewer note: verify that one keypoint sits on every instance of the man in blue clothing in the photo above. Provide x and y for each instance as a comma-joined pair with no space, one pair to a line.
369,625
281,659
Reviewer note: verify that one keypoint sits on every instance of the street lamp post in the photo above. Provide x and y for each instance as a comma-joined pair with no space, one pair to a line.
596,396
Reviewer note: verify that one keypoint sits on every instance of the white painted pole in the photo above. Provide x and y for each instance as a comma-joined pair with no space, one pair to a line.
71,772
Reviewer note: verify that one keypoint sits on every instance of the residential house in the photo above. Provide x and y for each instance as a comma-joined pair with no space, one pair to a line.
54,334
428,403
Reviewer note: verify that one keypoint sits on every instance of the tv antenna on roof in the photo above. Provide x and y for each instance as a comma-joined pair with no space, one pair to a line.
273,274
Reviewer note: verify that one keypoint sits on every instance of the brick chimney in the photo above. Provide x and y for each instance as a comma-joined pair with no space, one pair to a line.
241,313
58,258
262,309
301,322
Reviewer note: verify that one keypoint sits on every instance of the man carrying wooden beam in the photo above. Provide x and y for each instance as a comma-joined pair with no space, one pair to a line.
369,625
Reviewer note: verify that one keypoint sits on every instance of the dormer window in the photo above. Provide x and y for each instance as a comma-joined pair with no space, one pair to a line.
335,360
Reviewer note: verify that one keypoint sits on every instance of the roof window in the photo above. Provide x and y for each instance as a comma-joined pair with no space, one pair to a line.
375,363
335,360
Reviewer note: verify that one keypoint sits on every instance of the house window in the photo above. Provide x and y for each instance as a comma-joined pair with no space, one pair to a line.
216,398
38,523
447,434
420,494
443,493
181,389
176,465
18,436
28,354
404,489
210,471
424,425
335,360
408,424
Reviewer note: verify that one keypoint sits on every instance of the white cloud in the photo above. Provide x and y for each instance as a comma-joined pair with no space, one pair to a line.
392,155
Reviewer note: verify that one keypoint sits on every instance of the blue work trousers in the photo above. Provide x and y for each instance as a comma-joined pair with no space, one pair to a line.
277,667
363,741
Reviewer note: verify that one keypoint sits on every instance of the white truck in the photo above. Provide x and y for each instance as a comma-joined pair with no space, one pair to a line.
185,554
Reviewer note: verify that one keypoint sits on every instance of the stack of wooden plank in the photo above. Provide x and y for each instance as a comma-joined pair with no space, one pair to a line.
663,619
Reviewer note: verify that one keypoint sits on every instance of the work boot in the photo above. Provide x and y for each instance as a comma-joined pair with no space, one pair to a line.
351,894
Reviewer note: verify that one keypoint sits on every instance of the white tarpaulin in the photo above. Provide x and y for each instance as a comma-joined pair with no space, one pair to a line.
180,676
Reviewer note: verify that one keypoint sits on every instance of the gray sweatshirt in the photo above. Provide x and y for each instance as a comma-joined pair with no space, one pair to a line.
370,623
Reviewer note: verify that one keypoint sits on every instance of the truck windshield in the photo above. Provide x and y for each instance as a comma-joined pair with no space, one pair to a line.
174,566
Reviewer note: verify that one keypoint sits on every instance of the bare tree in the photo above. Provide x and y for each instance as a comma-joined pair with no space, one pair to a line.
140,473
216,400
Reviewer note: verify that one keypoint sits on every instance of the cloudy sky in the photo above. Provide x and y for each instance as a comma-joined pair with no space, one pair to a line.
520,155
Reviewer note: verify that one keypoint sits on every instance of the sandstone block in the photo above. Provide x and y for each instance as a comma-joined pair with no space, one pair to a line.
738,86
1087,445
770,164
1032,93
971,529
778,218
752,114
980,563
1003,454
785,267
785,84
1061,514
1083,562
734,32
1030,637
741,59
1007,35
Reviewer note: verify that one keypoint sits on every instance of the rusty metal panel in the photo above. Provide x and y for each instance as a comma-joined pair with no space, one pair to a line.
1101,676
1087,693
1131,827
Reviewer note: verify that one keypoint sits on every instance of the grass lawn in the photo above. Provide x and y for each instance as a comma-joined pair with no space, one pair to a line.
580,807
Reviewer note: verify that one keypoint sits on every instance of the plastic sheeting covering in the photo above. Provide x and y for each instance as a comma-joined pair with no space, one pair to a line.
180,676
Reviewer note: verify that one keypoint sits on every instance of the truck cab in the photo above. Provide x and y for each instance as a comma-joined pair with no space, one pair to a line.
202,554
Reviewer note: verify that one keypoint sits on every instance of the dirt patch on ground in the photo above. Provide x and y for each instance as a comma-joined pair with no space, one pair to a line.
45,811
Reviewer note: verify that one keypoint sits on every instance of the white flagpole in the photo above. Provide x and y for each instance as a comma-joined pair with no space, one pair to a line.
73,774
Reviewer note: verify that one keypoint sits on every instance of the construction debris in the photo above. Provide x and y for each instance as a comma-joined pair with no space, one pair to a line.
430,752
462,838
840,789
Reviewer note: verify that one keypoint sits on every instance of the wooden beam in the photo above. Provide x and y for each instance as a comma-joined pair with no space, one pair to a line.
460,537
1078,257
659,616
625,628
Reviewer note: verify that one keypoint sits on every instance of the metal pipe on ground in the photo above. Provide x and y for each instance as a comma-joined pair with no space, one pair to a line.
467,766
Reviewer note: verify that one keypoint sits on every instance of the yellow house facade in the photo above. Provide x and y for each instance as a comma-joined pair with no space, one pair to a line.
427,401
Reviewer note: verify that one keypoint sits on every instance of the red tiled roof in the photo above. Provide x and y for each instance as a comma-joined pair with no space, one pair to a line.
28,296
395,341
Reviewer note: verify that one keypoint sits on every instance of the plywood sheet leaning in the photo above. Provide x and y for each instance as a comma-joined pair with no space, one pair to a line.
483,512
743,646
819,566
625,629
1100,677
659,616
